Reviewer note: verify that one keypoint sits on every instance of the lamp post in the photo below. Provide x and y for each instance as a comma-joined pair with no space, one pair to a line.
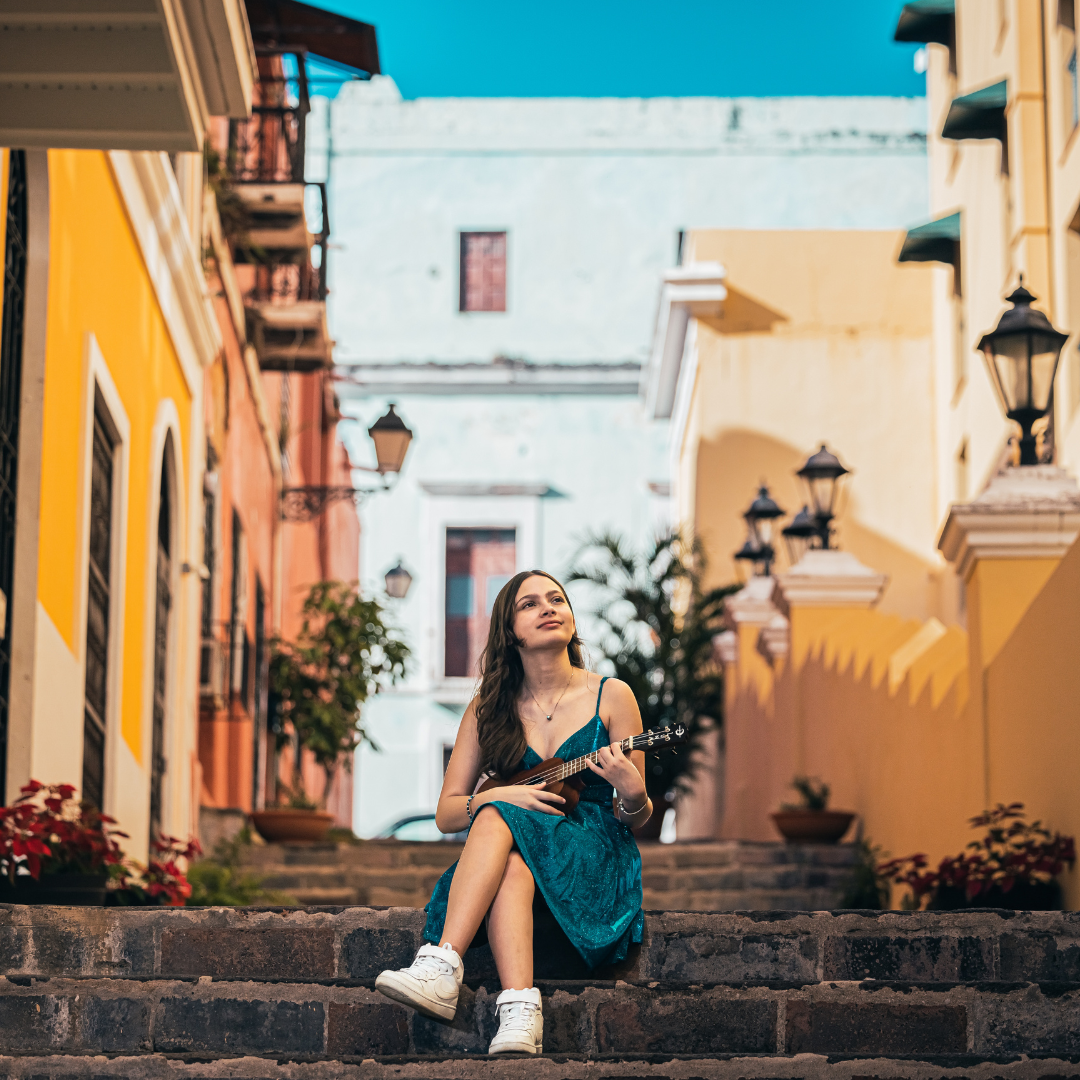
398,580
391,438
820,475
760,519
1022,355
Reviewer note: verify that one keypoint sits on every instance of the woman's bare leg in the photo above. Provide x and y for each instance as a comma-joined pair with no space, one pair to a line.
477,878
510,925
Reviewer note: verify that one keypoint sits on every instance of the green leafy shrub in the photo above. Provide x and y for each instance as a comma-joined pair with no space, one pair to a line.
220,881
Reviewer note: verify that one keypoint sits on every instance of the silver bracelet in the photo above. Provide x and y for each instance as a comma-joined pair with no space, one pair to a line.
633,813
468,807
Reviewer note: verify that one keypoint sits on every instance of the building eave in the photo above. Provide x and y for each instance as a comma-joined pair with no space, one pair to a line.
146,79
687,291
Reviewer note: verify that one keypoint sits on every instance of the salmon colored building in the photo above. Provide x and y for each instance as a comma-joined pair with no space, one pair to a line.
278,511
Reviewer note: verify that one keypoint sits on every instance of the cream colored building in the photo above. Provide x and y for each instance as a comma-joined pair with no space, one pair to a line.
1004,154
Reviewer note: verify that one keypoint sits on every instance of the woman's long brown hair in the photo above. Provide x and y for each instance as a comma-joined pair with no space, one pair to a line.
498,723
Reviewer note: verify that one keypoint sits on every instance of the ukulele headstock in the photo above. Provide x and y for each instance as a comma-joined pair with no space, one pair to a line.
658,737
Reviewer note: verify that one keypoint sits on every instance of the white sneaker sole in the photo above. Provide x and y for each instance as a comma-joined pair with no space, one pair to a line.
517,1048
389,985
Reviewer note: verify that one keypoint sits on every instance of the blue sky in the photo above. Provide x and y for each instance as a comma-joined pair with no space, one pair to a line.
594,48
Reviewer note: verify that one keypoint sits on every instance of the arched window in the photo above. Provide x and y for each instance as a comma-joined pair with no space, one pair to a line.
162,608
11,355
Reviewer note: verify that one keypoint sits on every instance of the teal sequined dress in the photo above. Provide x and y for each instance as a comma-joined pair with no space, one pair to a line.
586,865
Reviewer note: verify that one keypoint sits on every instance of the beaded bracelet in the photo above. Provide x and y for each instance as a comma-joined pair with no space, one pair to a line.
633,813
468,807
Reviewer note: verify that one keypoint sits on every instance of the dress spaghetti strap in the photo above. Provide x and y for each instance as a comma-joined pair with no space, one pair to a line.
602,681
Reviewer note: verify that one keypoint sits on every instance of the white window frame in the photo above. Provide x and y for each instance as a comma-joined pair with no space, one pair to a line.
522,513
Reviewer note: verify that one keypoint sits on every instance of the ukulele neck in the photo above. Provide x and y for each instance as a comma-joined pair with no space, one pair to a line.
569,768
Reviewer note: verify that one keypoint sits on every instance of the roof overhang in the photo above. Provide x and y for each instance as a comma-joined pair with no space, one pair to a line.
688,291
978,115
289,26
927,21
936,241
145,77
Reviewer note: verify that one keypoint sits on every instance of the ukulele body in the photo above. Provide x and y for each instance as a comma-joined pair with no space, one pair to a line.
567,788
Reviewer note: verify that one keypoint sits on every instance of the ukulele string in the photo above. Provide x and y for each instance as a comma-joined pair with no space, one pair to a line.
560,772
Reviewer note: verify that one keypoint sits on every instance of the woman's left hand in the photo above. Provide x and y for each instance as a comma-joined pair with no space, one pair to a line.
620,772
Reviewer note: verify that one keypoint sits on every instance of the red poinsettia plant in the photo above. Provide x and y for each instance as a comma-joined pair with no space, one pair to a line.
1013,852
162,880
48,831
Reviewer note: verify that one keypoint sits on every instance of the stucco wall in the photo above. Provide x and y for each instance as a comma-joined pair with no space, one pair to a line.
823,338
592,193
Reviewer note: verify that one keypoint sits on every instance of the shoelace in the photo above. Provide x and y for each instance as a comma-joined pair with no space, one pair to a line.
517,1016
432,965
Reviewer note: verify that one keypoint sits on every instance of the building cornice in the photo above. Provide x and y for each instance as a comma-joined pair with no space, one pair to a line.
454,490
152,200
687,291
500,376
1026,512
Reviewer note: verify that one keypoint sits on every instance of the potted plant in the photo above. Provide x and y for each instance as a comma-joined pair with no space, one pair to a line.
657,622
1015,865
810,821
344,653
55,849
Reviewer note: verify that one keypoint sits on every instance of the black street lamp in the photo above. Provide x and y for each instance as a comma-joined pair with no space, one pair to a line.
398,580
1022,356
799,535
760,519
391,438
820,474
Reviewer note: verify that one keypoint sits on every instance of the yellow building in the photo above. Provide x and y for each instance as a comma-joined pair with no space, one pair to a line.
107,329
927,670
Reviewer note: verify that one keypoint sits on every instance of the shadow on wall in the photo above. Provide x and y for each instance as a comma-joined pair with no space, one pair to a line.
730,467
743,314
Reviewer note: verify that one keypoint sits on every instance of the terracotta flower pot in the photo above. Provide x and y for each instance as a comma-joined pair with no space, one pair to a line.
285,826
76,890
812,826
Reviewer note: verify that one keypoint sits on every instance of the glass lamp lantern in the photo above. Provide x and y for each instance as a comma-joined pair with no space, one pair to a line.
398,580
800,535
1022,356
753,559
820,475
391,438
762,516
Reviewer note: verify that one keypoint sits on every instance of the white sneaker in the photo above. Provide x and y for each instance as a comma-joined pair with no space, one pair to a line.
521,1023
430,986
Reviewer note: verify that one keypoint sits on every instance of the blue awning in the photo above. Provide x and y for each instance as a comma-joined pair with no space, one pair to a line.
936,241
926,21
980,115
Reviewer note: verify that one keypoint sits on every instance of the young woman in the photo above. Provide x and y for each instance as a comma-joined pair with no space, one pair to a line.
536,701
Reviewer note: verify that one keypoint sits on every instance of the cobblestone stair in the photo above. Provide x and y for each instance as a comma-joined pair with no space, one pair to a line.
725,876
268,994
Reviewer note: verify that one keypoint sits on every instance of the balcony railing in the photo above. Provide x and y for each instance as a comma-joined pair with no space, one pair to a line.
269,147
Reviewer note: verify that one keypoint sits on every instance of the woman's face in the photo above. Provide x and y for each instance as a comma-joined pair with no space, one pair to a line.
542,616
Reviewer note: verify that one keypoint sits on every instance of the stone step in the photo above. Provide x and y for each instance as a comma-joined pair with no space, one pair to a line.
895,994
332,1021
728,875
548,1067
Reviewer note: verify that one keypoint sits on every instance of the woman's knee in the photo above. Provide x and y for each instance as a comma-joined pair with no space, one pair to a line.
488,825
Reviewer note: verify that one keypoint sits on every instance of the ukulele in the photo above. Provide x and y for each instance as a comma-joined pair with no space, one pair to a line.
560,775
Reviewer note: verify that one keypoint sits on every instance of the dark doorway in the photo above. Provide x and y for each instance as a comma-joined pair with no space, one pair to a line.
11,350
162,608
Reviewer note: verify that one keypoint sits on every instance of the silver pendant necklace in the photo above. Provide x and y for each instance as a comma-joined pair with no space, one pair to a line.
548,716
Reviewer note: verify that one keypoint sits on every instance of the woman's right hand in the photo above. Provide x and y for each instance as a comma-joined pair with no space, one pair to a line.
529,797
